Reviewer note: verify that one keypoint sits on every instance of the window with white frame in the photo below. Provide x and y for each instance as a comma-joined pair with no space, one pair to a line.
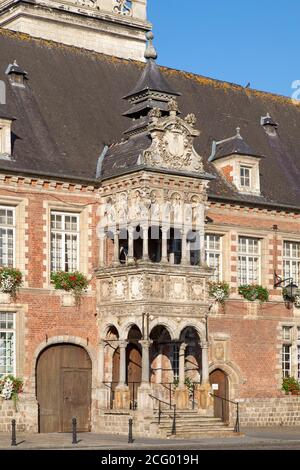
248,260
175,359
286,360
213,254
7,236
7,343
64,241
291,261
245,177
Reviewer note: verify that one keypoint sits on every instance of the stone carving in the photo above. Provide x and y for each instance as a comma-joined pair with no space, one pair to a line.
88,3
120,288
219,352
123,7
136,287
155,113
172,143
173,106
155,206
190,119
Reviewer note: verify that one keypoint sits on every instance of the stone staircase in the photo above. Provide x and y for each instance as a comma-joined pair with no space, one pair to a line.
189,425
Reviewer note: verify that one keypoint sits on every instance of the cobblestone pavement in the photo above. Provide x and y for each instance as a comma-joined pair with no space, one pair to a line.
259,438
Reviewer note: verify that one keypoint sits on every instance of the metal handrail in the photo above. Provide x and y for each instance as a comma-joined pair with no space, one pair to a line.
160,412
237,422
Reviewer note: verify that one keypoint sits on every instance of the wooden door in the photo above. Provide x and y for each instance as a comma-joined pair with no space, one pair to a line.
64,375
134,371
221,407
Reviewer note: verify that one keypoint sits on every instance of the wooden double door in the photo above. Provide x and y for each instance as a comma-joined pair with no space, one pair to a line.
64,376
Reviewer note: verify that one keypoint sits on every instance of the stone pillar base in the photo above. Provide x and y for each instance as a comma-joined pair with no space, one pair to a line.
122,398
203,397
182,398
145,402
102,397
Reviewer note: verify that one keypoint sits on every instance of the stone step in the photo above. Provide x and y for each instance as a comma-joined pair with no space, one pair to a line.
199,435
192,427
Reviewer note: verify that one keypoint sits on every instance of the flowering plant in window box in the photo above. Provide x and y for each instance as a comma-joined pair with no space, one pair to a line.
290,385
76,283
10,281
219,291
10,387
254,292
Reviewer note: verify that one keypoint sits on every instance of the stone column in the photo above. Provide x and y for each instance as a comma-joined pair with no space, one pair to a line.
122,377
182,364
130,244
145,402
102,250
202,247
205,365
102,392
116,249
145,361
164,251
101,362
184,248
203,392
122,393
145,229
181,392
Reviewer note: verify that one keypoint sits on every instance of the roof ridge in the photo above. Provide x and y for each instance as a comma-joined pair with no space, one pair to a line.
196,76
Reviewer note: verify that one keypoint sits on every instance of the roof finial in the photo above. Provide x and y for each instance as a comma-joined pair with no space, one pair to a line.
150,52
238,132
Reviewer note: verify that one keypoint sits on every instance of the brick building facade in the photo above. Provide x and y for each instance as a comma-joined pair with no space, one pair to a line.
150,219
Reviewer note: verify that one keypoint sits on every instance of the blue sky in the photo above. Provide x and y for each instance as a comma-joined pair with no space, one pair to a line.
256,41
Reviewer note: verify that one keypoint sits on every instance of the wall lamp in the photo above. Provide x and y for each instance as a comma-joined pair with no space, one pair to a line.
291,290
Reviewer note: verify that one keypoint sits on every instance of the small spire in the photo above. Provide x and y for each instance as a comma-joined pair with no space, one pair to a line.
238,132
150,52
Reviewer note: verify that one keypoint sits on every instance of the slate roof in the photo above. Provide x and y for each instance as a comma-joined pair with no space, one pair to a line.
232,146
72,107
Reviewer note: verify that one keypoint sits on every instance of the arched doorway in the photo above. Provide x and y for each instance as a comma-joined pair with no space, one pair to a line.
134,364
64,379
219,381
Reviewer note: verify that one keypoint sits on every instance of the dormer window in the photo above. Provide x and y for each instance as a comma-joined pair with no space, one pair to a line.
238,163
5,137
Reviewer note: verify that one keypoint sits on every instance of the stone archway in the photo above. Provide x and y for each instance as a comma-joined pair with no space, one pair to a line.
63,386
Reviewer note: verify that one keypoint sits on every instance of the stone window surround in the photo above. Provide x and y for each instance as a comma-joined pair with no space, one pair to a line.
84,248
19,312
293,342
21,237
288,240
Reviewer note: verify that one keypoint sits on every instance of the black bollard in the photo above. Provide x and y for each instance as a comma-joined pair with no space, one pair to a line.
13,433
130,436
74,431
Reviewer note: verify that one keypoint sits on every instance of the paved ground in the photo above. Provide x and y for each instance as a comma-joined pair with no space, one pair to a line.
262,438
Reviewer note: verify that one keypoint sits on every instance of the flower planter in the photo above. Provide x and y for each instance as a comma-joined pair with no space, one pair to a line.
5,298
68,299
